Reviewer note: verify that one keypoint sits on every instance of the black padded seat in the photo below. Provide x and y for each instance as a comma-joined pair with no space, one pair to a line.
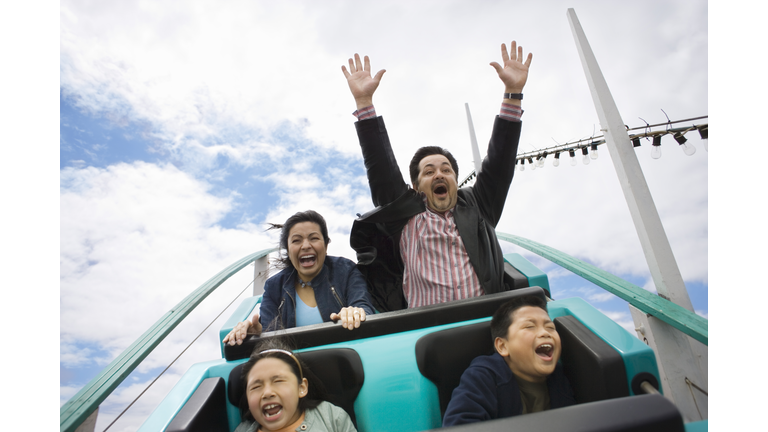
442,363
340,370
387,323
594,369
205,411
645,413
518,279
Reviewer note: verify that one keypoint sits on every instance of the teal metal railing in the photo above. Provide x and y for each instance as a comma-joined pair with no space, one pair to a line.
80,406
675,315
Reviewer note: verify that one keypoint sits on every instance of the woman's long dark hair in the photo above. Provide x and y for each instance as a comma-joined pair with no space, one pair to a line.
316,392
284,261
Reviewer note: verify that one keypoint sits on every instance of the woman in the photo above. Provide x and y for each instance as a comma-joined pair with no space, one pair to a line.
312,287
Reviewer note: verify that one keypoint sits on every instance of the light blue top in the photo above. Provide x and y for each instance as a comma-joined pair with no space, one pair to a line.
306,315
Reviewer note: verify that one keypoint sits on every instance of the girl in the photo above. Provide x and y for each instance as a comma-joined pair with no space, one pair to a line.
280,397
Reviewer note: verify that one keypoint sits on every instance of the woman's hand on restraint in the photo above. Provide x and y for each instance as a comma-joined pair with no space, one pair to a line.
350,317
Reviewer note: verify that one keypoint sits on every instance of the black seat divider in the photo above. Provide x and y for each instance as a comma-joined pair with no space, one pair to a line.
205,411
340,370
387,323
443,356
595,370
643,413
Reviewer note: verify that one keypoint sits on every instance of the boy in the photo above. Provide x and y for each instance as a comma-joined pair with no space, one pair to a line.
522,376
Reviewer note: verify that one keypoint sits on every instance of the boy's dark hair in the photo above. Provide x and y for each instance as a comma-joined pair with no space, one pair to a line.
502,318
305,216
316,392
429,151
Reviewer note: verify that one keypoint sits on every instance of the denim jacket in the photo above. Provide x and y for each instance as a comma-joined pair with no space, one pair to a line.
338,285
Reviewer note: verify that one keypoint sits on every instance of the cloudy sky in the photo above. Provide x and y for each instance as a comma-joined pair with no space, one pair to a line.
186,126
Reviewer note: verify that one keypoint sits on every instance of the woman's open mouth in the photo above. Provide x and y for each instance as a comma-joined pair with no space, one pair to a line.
307,260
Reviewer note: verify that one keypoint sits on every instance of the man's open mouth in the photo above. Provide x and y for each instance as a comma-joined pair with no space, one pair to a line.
307,260
272,411
440,189
545,351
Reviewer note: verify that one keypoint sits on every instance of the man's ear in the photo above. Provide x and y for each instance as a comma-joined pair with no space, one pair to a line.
415,187
500,344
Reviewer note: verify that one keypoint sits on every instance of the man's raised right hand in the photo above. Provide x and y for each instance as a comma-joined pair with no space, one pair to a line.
360,82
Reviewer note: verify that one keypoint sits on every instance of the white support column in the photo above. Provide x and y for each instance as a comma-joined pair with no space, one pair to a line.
89,425
677,361
473,140
260,274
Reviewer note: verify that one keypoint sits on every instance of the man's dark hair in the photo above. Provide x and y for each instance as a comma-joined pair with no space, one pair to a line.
429,151
502,318
316,392
305,216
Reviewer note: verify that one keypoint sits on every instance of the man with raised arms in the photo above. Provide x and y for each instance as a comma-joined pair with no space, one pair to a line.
434,243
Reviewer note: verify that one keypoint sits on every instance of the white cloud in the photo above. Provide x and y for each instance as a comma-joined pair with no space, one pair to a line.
137,237
623,319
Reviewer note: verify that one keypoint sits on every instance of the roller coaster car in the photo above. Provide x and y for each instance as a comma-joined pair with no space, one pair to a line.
397,371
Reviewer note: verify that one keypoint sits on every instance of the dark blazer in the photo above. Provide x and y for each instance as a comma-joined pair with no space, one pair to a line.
375,236
488,390
338,285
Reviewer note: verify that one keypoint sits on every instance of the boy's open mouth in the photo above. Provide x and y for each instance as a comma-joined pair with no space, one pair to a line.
307,260
272,411
545,351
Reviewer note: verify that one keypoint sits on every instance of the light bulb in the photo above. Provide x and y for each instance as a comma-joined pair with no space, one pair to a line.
656,147
704,133
556,162
593,151
533,165
687,147
585,159
521,165
573,157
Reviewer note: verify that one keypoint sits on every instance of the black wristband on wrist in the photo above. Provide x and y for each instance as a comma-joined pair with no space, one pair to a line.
513,96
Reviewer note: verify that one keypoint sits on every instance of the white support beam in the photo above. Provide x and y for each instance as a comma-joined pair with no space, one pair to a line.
475,150
661,261
260,274
89,425
680,367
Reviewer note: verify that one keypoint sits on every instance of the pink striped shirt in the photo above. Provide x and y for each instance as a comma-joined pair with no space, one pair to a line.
437,267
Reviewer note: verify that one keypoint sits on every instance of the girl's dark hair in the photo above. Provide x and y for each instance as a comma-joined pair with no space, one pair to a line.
316,391
283,261
502,318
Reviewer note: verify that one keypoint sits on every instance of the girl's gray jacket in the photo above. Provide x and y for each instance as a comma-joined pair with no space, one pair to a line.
327,417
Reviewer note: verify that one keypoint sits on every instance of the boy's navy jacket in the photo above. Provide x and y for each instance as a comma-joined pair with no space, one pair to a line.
488,390
278,305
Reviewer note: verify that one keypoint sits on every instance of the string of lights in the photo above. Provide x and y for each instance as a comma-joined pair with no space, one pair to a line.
588,147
